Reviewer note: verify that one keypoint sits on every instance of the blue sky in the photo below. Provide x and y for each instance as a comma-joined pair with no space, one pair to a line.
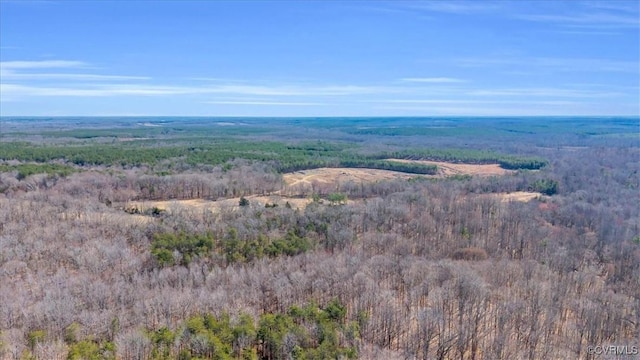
312,58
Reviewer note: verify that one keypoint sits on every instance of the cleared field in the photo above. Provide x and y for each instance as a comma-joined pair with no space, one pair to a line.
320,176
226,204
333,175
448,169
261,201
299,183
523,196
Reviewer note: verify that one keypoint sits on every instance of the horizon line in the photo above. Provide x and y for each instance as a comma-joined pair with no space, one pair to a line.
315,117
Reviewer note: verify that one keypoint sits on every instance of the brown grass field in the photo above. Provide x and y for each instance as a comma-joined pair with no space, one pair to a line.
448,169
226,204
334,175
523,196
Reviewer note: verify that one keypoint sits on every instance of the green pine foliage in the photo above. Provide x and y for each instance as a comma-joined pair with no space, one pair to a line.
169,249
411,168
238,250
35,337
337,198
309,332
471,156
545,186
91,350
24,170
285,157
187,246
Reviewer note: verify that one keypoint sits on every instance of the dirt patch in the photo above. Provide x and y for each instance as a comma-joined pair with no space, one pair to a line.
448,169
296,203
333,175
115,219
215,206
522,196
336,175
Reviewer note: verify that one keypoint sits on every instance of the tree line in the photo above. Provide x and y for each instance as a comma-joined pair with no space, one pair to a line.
286,158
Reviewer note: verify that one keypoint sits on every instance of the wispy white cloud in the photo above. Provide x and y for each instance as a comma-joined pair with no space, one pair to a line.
454,6
268,103
424,101
433,80
217,79
587,15
25,80
66,76
20,81
483,101
150,90
617,6
599,20
22,70
604,32
26,91
556,64
292,90
545,92
43,64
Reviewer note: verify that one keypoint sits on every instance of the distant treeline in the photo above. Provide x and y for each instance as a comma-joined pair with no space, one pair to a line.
25,170
472,157
360,163
286,157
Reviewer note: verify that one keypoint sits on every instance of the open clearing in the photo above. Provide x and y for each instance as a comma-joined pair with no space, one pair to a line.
261,201
340,175
301,182
214,206
522,196
335,175
448,169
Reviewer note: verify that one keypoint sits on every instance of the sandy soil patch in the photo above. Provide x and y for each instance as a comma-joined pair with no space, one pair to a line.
448,169
260,202
334,175
522,196
115,219
226,204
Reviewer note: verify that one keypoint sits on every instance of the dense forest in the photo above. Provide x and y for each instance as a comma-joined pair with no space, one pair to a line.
425,265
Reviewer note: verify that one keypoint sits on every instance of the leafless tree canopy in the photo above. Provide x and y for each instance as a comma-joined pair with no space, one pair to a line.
424,269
